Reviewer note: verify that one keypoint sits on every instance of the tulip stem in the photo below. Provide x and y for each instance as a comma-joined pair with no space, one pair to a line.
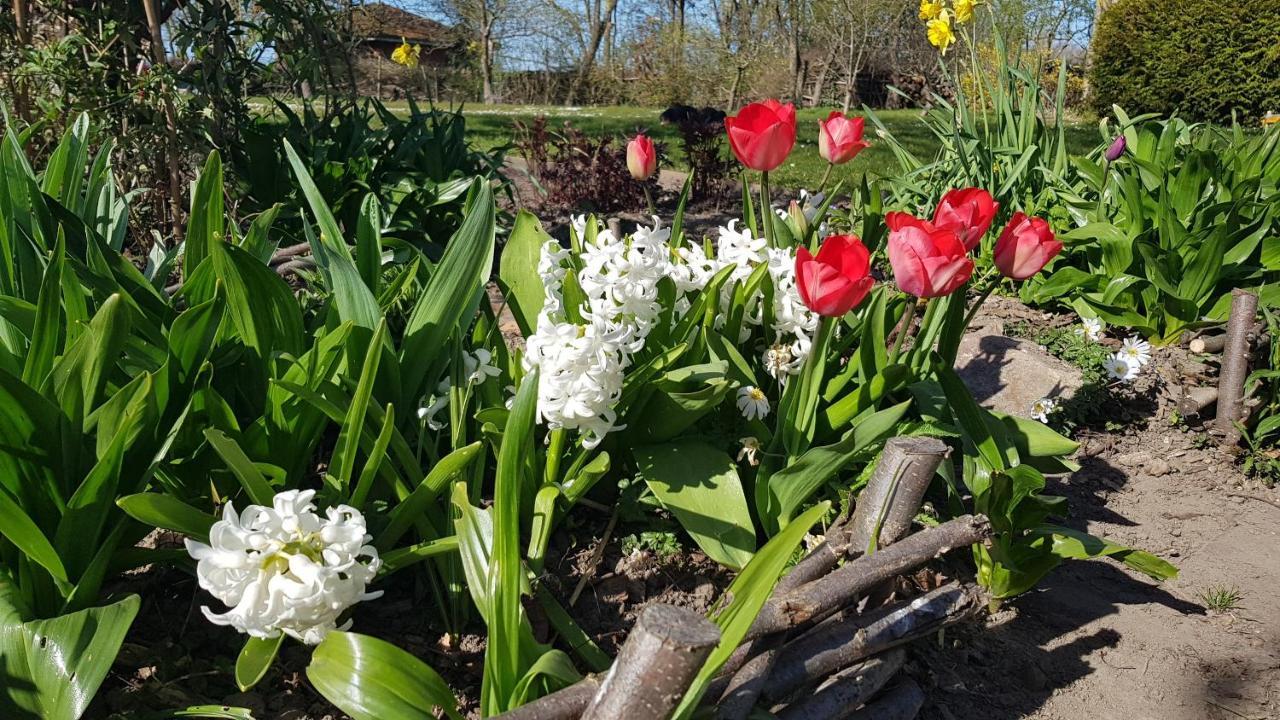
653,209
904,328
822,185
977,304
766,210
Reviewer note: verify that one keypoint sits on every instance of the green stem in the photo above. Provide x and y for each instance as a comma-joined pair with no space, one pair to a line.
904,328
977,304
555,451
825,176
653,209
925,337
766,209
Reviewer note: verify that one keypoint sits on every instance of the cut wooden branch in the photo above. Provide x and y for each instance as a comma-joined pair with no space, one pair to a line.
901,702
893,495
656,665
1195,401
842,586
1235,363
289,251
847,690
889,503
565,704
1208,344
294,266
846,638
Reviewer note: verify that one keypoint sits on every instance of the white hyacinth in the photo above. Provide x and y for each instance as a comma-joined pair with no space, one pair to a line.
752,402
1090,329
478,366
1042,408
1119,367
750,450
286,569
1136,350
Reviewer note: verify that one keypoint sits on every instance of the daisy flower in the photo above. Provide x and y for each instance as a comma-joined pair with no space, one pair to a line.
1119,367
1041,409
752,403
1136,350
1090,329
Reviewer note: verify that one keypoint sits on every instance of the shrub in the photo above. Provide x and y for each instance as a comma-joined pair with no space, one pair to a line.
1201,58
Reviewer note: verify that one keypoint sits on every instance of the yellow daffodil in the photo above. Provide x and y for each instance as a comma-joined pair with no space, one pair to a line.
940,34
930,9
964,10
406,55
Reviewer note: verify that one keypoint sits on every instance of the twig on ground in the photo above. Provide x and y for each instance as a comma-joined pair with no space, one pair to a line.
596,556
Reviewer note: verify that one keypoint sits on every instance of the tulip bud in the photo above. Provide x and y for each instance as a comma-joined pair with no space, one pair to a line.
761,135
797,220
1025,247
837,279
642,158
1116,149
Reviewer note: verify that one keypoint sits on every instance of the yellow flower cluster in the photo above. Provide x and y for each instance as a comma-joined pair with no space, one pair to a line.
938,19
406,54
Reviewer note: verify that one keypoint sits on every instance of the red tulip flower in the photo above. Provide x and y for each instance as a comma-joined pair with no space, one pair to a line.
928,261
834,282
1025,247
968,213
762,134
840,138
642,159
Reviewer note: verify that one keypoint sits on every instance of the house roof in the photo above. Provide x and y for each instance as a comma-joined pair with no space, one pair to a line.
380,21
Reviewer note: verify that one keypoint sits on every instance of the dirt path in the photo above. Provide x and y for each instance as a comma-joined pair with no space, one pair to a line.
1098,641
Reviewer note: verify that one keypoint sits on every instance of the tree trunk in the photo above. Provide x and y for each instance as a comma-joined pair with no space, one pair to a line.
486,65
170,121
598,31
733,89
1235,363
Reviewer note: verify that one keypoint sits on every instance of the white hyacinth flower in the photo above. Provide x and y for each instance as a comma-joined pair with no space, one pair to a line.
285,568
478,366
1119,367
1041,409
1090,329
752,403
1136,350
437,402
750,450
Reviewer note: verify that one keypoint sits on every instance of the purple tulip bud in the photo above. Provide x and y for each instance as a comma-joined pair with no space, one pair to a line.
1114,152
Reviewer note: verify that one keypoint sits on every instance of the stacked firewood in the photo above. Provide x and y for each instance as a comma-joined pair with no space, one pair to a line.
819,649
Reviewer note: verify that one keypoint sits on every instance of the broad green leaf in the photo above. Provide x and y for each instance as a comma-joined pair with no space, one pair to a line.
205,227
344,453
18,528
255,659
1074,544
699,484
747,594
369,242
519,270
251,478
371,679
403,515
47,330
166,511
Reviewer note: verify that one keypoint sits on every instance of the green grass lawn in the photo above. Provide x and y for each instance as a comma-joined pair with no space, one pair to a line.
489,126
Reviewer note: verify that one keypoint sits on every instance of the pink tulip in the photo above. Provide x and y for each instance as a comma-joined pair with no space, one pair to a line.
927,261
968,213
834,282
840,138
642,158
1025,247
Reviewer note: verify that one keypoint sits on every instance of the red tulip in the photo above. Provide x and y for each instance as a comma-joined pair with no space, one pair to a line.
762,134
968,213
928,261
642,159
1025,247
834,282
840,138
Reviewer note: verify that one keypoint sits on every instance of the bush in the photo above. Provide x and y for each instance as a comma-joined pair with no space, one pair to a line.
1203,59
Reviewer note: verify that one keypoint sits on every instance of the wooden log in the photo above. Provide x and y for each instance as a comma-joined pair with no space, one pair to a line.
842,586
565,704
846,638
847,690
1235,364
902,702
655,666
1196,400
893,495
1208,344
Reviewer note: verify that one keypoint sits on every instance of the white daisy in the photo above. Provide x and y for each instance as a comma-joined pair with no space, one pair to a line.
1090,329
1119,367
752,403
1136,350
1041,409
750,450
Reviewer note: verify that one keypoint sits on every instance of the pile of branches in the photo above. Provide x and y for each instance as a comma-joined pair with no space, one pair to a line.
819,649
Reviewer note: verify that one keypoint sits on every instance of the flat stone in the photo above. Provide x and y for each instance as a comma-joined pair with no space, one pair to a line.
1008,374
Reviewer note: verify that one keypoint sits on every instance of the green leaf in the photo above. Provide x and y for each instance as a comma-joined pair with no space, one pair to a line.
1074,544
18,528
453,293
371,679
972,419
251,479
255,659
369,242
47,329
793,485
519,270
699,484
263,310
431,486
354,300
205,225
53,667
748,593
166,511
344,453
